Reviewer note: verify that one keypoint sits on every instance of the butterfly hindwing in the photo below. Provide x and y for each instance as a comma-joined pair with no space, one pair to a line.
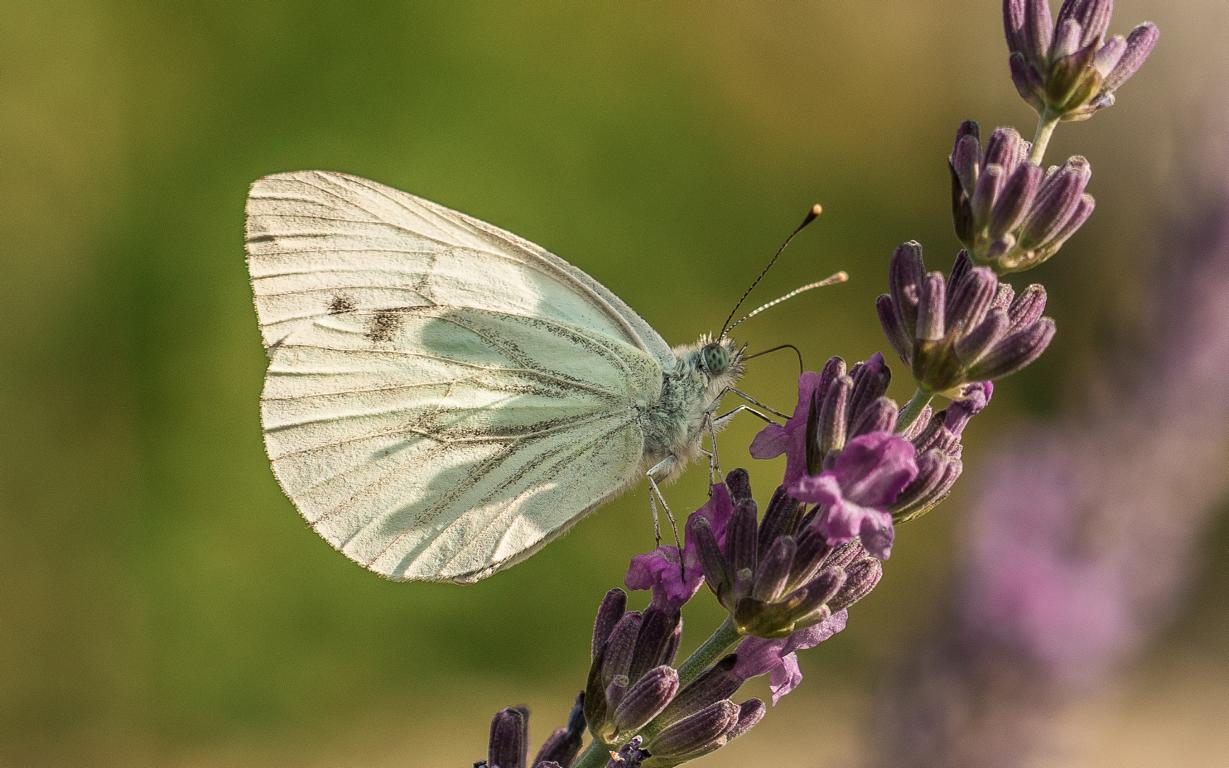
436,443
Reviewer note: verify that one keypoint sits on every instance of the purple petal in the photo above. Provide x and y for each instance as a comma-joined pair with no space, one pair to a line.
790,439
777,657
784,677
874,468
659,571
770,442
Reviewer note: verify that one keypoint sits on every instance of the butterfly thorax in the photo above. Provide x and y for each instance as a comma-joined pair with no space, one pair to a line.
691,391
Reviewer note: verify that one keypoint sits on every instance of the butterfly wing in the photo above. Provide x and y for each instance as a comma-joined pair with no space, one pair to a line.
321,242
468,400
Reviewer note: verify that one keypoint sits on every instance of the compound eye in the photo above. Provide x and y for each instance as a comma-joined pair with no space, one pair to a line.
715,358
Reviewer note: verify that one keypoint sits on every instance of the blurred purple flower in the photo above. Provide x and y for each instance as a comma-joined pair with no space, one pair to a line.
856,493
1082,534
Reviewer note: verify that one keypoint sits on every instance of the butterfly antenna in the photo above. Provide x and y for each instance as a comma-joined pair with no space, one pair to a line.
812,215
780,348
839,277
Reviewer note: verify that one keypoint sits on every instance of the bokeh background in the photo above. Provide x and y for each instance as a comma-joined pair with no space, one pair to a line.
161,603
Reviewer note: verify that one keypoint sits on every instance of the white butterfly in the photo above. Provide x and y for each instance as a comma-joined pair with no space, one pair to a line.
443,397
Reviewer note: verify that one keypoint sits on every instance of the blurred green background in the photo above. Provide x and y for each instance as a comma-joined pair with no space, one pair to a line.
163,603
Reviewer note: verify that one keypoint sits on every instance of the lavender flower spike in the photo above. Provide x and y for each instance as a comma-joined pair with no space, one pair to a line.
968,328
1067,69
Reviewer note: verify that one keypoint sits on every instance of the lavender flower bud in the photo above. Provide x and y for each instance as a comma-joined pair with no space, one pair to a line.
937,473
693,735
774,578
712,560
1066,68
627,676
832,414
968,336
509,745
879,416
1057,200
608,614
644,699
652,641
860,579
1139,44
750,712
774,570
714,684
1015,351
780,518
1012,216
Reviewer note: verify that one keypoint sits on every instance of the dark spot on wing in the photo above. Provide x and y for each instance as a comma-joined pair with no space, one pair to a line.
341,303
383,325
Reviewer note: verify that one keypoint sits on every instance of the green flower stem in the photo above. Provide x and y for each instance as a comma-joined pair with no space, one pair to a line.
596,755
1045,129
921,398
723,640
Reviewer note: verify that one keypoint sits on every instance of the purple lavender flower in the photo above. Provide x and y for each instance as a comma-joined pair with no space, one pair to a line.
660,569
833,407
1066,68
778,657
1083,533
967,328
855,494
790,439
1009,215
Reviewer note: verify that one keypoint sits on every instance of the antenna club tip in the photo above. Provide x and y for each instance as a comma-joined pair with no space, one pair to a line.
816,209
840,277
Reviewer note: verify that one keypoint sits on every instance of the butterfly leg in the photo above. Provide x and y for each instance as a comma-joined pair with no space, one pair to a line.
721,421
755,402
714,463
663,467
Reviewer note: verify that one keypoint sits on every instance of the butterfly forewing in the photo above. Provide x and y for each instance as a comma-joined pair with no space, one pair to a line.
321,242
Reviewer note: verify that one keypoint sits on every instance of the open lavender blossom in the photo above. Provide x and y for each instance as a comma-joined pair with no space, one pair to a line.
1008,213
778,657
674,576
967,328
1066,68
